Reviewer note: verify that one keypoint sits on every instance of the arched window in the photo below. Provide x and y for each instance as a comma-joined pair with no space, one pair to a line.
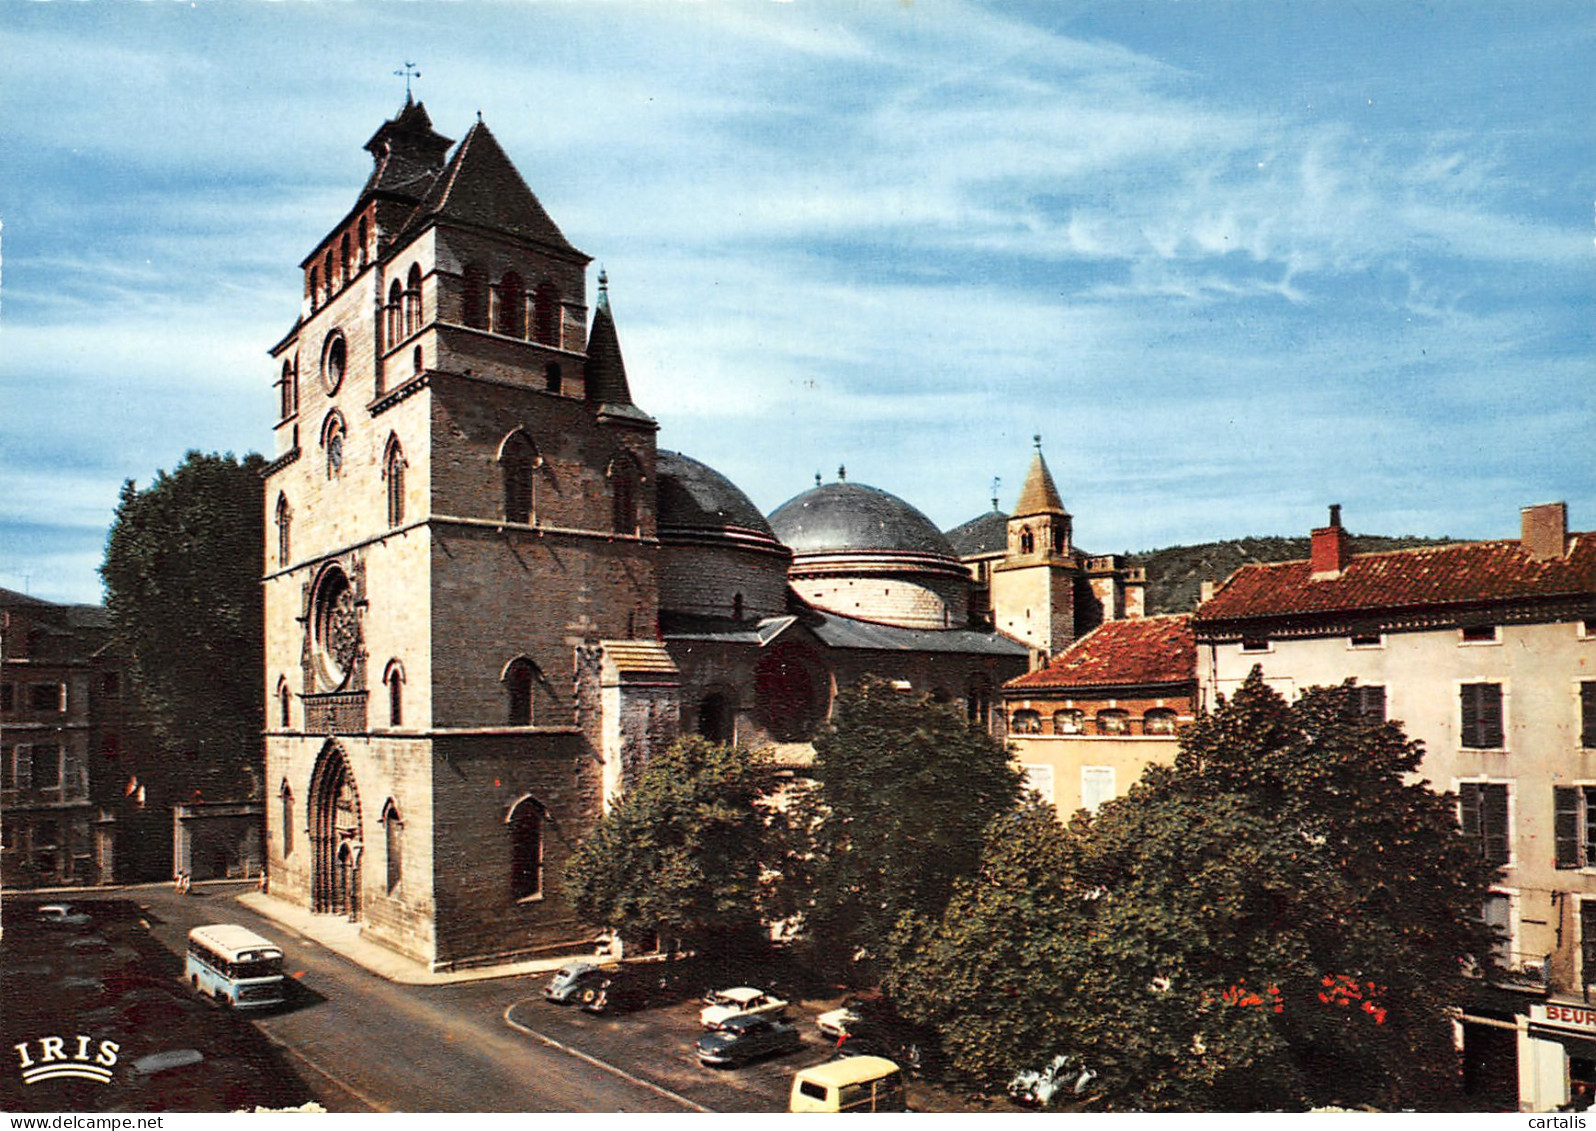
1026,722
313,285
474,296
365,234
285,797
416,360
344,261
393,841
526,849
413,300
284,521
978,699
393,470
334,361
553,379
546,315
394,677
510,316
1160,720
520,676
1027,540
285,391
623,494
327,273
332,441
285,700
396,312
1113,722
1069,722
518,459
1058,539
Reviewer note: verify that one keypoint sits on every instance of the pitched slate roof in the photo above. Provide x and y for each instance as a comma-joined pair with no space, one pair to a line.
1122,653
408,152
1469,573
984,534
606,368
481,186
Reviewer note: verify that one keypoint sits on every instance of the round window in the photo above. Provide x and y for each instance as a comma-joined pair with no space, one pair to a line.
334,360
335,630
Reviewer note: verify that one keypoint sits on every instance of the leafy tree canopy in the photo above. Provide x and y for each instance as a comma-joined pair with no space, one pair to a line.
182,572
680,853
1280,919
904,790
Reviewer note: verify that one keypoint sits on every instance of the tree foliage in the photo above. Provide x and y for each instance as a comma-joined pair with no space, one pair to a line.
904,789
182,571
681,853
1280,919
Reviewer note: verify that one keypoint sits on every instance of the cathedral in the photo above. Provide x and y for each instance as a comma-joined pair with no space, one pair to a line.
490,595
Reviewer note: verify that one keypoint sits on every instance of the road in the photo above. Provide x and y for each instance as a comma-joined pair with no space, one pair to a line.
362,1043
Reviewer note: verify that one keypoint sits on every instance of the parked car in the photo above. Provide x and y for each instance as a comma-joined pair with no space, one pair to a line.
624,991
62,915
569,980
838,1023
860,1083
721,1006
747,1036
879,1031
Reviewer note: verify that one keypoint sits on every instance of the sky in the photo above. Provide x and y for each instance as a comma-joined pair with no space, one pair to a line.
1232,261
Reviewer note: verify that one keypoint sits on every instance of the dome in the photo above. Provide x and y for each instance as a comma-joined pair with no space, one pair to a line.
853,518
694,496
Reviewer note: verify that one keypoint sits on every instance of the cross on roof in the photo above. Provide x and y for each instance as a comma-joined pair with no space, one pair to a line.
407,73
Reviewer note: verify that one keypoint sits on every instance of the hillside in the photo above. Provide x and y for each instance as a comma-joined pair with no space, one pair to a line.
1175,574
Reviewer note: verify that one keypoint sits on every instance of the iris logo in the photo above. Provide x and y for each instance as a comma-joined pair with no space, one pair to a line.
66,1056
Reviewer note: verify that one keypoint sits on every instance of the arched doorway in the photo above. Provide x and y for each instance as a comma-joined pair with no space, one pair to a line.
335,835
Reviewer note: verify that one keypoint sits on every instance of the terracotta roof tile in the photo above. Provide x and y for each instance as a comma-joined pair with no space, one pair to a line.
1121,653
1465,574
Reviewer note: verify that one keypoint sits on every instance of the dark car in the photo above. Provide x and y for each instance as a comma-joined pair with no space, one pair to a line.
879,1031
745,1037
624,991
572,979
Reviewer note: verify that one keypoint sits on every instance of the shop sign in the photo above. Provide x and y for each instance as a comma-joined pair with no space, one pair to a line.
1578,1017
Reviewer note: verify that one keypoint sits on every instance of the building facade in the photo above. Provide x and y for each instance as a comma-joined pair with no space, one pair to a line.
1486,653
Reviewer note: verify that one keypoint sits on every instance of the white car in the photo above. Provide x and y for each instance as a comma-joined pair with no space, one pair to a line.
839,1022
63,914
722,1005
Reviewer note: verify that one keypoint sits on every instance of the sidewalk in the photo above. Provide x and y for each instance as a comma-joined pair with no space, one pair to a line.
343,938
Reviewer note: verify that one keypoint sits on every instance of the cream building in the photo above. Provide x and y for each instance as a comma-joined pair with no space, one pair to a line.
1486,653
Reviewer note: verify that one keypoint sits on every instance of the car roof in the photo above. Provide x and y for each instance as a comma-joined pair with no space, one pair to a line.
850,1070
746,1021
740,993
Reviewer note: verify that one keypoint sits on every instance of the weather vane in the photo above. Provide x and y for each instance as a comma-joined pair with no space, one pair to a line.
409,72
997,481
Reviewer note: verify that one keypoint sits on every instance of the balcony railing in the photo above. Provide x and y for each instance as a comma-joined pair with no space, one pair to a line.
1530,973
340,712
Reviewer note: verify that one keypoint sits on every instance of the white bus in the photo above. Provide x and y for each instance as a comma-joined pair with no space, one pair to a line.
235,966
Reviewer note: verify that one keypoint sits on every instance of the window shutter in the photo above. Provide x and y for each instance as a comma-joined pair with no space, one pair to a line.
1587,714
1493,823
1372,702
1490,715
1469,809
1565,803
1471,714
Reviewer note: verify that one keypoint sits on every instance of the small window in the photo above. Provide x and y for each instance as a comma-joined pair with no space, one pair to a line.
284,523
1587,714
332,439
510,317
395,679
623,495
416,364
1026,722
8,697
1481,715
546,315
413,300
518,461
365,233
344,260
519,679
313,285
1255,644
286,391
393,469
553,380
1497,914
47,697
1366,640
1160,720
1097,787
1478,634
393,841
334,362
1482,812
1370,700
474,297
285,703
395,311
1113,721
737,606
285,799
1027,541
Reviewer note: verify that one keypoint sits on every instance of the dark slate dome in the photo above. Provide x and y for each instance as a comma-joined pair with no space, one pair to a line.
852,518
984,534
694,496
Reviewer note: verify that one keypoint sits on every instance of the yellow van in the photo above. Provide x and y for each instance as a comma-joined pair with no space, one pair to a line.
854,1083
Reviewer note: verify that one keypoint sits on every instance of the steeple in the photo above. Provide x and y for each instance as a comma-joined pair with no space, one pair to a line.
606,368
408,153
1039,495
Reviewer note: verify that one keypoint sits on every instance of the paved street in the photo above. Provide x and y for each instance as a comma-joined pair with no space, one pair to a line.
361,1043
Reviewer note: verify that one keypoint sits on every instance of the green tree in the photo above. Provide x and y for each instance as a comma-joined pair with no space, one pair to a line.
681,853
904,789
1282,918
182,573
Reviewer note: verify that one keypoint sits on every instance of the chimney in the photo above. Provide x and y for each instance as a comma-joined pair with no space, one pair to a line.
1330,549
1545,530
1206,591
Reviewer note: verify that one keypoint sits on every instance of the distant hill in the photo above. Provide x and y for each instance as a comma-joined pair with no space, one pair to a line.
1175,575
